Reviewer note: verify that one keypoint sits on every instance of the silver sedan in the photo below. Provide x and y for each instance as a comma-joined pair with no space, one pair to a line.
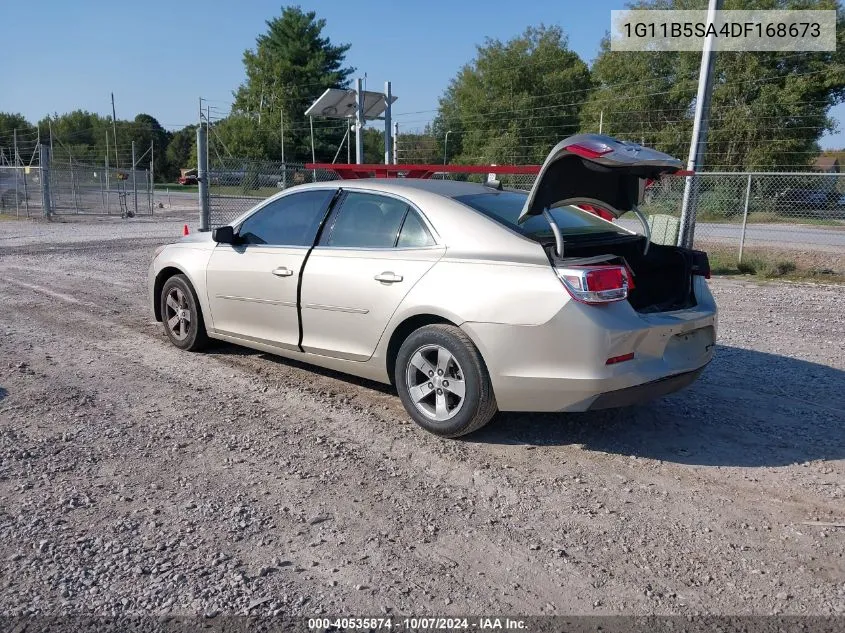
468,298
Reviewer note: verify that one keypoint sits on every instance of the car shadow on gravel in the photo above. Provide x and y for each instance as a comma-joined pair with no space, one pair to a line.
749,409
229,349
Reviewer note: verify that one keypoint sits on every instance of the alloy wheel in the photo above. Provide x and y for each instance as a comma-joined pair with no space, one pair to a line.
177,314
435,382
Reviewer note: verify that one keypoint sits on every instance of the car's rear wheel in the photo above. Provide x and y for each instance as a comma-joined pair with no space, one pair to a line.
181,315
443,382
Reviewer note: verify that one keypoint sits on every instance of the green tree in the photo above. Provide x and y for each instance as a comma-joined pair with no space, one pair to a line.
373,146
768,110
9,122
423,148
240,136
180,152
515,100
292,64
146,130
79,134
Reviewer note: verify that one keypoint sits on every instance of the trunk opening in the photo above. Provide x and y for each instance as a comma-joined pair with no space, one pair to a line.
662,278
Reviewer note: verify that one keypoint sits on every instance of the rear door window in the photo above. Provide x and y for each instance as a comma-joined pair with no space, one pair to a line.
366,220
414,233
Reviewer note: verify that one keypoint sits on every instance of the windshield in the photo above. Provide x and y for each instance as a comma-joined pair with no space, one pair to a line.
505,206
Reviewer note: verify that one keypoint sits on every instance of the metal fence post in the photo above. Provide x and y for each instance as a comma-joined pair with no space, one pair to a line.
134,180
689,207
152,174
202,178
25,190
744,219
108,182
15,172
46,201
73,193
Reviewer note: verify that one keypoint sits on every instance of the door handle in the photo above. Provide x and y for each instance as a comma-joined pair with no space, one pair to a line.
388,277
281,271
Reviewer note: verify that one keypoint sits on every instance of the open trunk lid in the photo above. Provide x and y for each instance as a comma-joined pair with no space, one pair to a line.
593,169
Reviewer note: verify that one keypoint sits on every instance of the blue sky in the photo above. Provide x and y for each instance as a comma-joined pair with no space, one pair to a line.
160,56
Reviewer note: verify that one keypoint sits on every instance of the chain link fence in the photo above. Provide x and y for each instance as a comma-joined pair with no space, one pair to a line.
20,191
85,188
756,220
780,219
66,186
236,185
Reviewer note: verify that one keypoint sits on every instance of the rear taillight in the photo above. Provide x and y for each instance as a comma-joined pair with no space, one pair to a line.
700,264
595,284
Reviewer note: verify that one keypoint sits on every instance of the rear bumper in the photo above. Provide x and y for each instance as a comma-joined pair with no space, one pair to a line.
561,364
645,392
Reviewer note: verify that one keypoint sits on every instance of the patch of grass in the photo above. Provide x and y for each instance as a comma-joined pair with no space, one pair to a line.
722,264
769,268
776,265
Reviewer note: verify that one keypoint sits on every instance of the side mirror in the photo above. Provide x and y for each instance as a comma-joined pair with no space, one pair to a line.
223,235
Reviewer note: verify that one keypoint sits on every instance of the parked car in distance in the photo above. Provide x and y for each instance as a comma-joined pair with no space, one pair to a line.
468,299
796,200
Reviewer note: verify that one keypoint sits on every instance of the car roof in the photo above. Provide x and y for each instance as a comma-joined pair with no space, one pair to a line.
446,188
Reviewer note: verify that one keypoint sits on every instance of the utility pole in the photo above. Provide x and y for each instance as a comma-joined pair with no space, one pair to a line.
114,131
359,122
396,143
388,144
282,134
698,144
601,120
313,154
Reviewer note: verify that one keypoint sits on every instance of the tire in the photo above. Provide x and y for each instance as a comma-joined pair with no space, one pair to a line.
181,315
424,354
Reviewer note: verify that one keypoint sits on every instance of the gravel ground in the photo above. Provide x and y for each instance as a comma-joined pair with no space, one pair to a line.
135,478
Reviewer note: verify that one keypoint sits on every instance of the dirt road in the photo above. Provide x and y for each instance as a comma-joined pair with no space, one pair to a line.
135,478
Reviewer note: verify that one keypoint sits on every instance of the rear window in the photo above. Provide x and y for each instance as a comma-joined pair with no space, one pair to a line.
505,206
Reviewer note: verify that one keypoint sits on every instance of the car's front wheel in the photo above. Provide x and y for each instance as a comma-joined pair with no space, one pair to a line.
443,381
181,315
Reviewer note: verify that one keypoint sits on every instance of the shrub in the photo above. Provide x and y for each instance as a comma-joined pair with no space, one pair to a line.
750,266
778,268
